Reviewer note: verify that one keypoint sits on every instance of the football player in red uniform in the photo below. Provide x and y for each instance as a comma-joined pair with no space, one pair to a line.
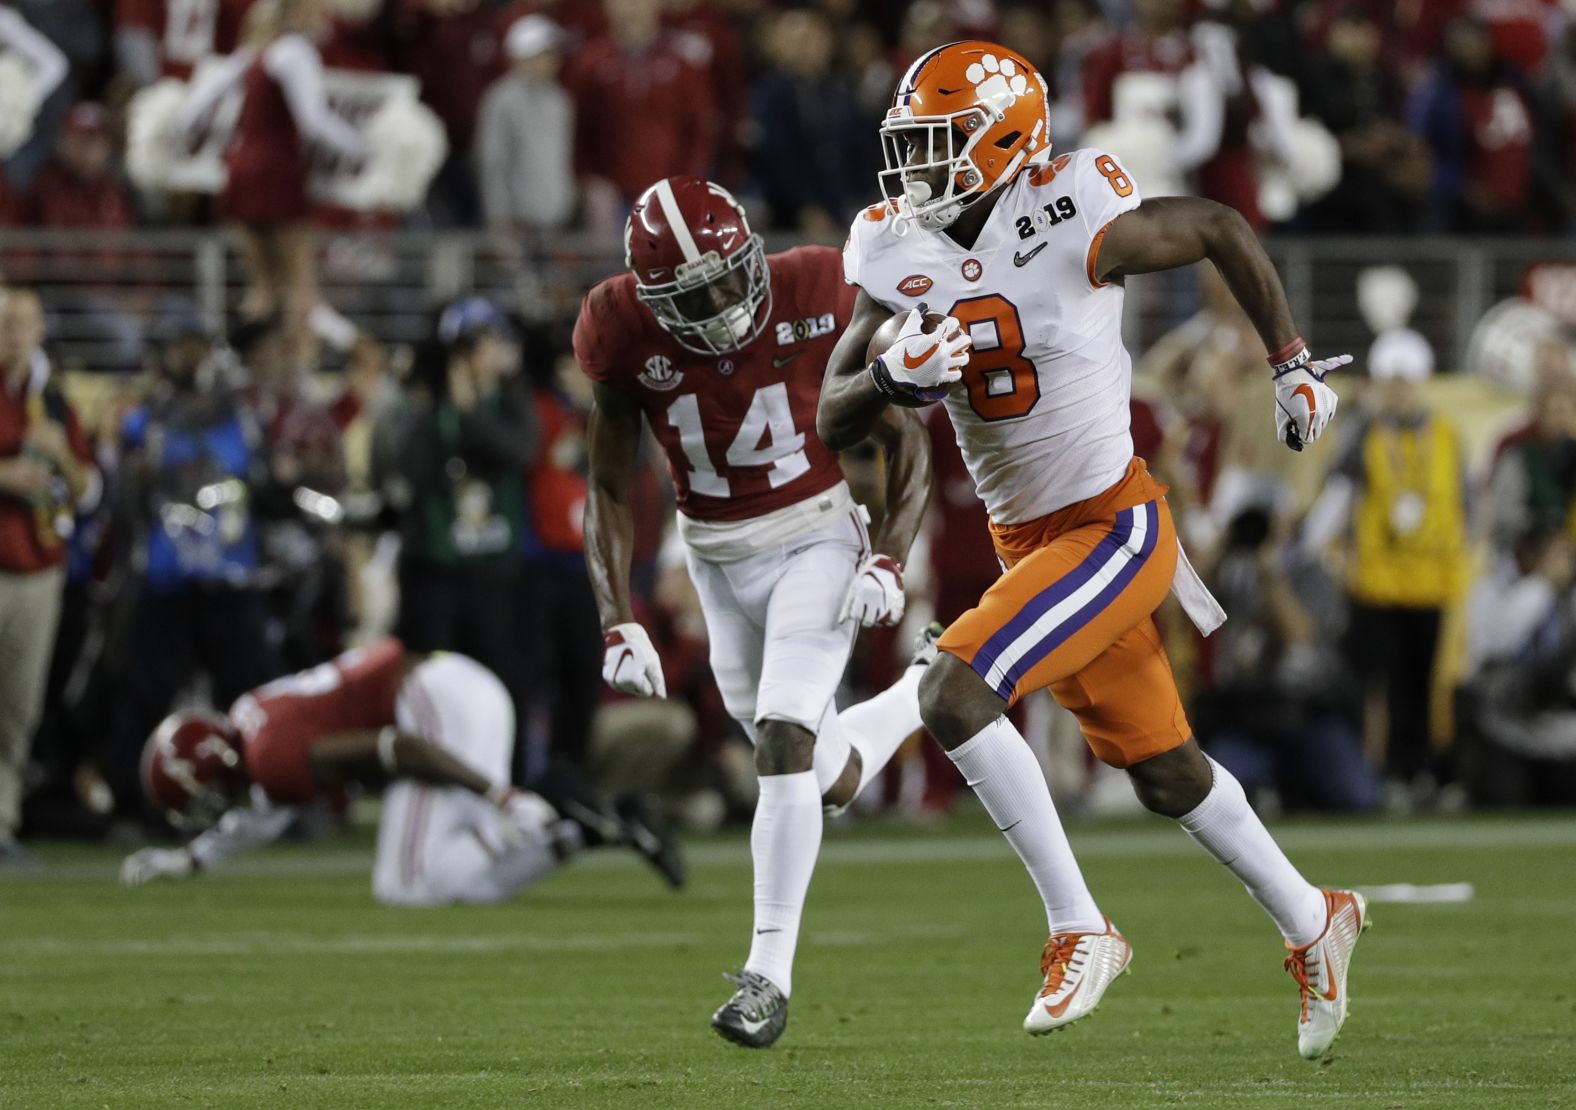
721,348
440,728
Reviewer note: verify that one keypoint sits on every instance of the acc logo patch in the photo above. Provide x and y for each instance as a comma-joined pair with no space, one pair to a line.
659,374
915,285
972,269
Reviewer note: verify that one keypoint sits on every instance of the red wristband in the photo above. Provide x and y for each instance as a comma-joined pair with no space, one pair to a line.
1286,352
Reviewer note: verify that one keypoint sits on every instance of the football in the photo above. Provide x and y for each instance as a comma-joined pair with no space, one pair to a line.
886,335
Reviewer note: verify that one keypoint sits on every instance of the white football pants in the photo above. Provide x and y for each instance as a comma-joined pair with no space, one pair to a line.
778,649
442,844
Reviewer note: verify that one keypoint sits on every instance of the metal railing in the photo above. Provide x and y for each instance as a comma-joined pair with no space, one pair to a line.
103,290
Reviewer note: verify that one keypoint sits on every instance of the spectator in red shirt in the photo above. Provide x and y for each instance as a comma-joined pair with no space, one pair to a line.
1154,43
706,36
1472,112
77,188
455,49
46,467
643,110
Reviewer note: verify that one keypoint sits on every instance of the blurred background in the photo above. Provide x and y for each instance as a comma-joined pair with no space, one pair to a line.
234,475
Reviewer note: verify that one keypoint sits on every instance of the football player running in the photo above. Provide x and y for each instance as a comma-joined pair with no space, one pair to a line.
1027,255
722,349
440,728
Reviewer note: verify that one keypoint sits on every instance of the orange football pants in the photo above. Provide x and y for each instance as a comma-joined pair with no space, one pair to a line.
1075,612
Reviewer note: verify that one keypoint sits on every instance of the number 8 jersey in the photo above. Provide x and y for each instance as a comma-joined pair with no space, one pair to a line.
1041,415
738,428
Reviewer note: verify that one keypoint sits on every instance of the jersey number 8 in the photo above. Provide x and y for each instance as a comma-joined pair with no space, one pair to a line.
1002,383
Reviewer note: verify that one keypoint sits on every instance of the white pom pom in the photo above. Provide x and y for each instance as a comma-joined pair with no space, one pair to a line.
407,145
1315,159
1386,296
153,140
1505,343
18,102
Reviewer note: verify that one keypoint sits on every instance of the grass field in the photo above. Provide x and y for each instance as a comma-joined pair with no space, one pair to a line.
279,983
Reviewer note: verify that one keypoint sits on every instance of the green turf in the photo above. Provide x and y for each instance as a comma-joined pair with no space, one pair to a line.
281,984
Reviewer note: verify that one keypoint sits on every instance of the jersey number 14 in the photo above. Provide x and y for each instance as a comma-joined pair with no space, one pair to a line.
769,419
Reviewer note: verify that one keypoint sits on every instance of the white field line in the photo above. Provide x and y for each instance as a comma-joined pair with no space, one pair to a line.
1089,842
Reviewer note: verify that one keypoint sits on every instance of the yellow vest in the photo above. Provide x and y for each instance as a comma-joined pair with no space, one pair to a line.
1409,525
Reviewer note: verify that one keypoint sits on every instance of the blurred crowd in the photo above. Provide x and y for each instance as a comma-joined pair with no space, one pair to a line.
1403,621
1450,115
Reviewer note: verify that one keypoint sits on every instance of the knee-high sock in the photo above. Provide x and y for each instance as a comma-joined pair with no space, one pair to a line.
877,728
1228,829
784,842
999,767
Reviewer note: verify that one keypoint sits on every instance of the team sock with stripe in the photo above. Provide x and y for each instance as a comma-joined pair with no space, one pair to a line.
1002,771
784,842
1228,829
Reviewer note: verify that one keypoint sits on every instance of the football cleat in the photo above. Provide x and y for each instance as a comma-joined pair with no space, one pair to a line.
757,1013
1320,970
648,834
1077,969
925,645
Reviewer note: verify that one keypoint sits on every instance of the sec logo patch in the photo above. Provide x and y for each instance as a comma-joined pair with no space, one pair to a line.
972,269
914,285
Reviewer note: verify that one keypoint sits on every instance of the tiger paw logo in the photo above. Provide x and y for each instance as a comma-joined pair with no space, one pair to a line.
659,374
997,81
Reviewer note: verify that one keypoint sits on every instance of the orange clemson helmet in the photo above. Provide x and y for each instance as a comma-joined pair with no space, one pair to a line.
965,119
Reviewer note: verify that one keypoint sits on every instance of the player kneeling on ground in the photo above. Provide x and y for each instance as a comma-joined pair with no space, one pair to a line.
440,728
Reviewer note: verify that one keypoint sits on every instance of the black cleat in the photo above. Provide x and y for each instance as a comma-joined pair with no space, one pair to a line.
925,645
757,1013
647,833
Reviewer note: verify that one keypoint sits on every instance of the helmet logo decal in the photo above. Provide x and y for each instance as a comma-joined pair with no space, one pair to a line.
915,285
997,82
972,269
659,374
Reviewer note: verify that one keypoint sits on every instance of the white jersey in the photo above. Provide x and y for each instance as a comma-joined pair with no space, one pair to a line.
1043,421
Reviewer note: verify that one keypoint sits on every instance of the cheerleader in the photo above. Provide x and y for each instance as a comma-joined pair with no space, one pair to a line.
284,114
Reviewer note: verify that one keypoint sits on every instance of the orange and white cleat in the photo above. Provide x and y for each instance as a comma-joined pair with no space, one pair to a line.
1077,969
1320,970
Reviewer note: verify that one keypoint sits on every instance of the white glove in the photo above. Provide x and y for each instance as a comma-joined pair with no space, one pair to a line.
629,662
523,817
1304,405
148,864
876,595
922,366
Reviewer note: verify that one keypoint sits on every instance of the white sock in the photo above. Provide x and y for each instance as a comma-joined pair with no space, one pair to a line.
878,727
784,841
999,767
1228,829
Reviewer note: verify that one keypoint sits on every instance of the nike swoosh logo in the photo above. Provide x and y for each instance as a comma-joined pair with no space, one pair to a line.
752,1027
758,932
1023,259
915,363
779,361
948,92
1060,1008
1305,391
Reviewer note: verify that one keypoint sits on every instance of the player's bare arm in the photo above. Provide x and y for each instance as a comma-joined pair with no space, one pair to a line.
906,445
1167,232
373,755
613,438
630,663
851,403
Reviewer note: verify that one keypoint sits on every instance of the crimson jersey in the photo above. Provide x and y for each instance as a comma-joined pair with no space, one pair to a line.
738,429
281,721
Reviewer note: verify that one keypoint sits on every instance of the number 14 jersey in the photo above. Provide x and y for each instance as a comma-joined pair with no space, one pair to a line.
739,428
1041,415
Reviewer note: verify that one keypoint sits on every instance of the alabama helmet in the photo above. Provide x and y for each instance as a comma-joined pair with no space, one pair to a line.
698,267
978,111
192,768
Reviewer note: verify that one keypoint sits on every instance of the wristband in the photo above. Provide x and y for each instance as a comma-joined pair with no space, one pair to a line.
386,756
883,379
1293,356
